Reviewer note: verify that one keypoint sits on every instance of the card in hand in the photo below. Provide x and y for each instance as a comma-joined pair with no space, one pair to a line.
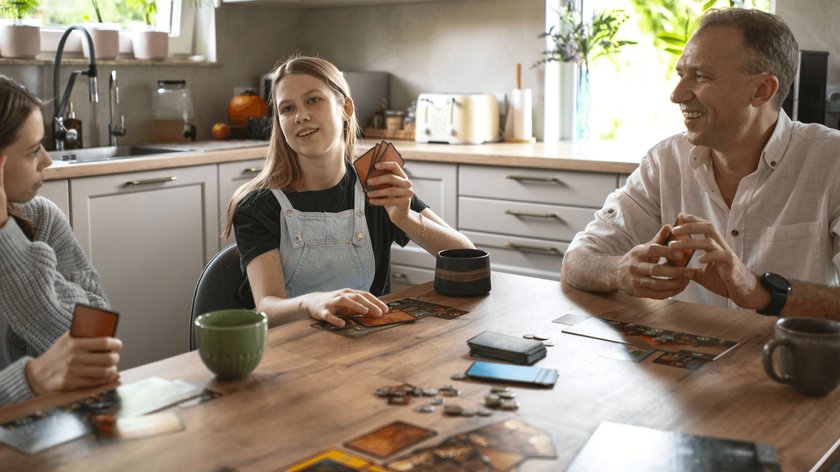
92,322
365,164
390,438
687,253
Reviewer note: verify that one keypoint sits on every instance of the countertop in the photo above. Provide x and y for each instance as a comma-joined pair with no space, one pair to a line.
586,156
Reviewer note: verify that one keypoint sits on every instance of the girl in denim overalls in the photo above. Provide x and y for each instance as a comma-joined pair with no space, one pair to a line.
310,243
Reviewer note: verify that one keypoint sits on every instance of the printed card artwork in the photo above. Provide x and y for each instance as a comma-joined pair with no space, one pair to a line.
420,309
392,317
682,359
333,460
619,447
390,438
646,337
627,352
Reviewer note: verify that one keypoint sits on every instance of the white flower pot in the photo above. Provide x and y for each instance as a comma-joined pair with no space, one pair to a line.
152,45
106,42
20,41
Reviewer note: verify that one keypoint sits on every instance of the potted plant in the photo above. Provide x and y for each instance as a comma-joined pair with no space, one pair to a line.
18,40
148,43
575,43
106,36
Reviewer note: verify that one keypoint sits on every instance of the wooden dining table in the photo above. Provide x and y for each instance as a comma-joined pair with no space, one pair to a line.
315,390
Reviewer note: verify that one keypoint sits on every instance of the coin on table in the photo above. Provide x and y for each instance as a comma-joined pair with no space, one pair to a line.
468,412
450,392
452,410
436,401
548,343
492,400
528,336
430,392
541,338
483,412
499,389
417,392
509,405
506,395
457,376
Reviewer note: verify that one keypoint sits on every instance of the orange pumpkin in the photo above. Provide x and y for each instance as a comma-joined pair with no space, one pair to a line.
244,106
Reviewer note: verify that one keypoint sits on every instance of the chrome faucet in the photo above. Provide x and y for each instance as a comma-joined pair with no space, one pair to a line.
114,97
62,134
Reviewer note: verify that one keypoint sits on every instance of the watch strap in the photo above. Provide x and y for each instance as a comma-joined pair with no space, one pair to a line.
778,295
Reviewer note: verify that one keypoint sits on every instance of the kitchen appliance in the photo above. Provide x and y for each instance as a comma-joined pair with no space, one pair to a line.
457,118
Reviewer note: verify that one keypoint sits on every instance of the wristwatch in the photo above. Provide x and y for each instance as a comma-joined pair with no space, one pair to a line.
779,289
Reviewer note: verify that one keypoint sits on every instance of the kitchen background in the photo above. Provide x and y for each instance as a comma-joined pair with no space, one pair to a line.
432,46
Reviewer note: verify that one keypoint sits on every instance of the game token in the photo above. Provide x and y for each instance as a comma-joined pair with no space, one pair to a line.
528,336
436,401
452,410
506,395
425,408
457,376
548,343
510,405
492,400
468,412
541,338
499,389
430,392
483,412
450,392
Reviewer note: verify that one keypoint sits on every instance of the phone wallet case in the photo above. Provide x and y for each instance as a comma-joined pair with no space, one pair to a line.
507,348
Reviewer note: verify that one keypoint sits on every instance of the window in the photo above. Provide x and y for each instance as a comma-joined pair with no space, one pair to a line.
177,17
630,91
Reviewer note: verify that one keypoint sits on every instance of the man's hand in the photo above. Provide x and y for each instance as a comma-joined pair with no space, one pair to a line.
639,272
723,272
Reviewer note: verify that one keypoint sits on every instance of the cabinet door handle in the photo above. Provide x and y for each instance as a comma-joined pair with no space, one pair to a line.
538,249
525,214
251,170
158,180
529,178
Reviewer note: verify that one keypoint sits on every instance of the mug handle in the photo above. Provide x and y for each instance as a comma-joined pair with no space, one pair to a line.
767,360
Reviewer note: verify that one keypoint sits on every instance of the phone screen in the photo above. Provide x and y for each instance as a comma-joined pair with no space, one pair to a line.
92,322
512,373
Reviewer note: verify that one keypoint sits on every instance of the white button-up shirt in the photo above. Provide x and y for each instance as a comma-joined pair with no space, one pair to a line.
785,217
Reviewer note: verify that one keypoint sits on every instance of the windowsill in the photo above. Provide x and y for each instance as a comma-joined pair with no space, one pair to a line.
49,59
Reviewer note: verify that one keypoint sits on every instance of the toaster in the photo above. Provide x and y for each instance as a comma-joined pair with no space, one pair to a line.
457,118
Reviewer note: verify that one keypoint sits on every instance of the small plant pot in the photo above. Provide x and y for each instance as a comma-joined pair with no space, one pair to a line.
20,41
150,45
106,42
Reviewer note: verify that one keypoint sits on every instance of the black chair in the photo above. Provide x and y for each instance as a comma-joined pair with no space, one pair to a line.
218,287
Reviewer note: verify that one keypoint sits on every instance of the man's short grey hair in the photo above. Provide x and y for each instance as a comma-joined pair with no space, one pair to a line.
771,45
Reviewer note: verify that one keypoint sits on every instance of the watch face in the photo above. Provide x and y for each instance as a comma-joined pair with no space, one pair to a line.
776,282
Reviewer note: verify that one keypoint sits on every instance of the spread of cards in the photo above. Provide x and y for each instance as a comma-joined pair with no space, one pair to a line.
366,164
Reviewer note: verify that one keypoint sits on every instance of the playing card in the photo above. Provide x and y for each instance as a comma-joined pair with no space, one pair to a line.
333,460
92,322
514,436
626,352
420,309
110,428
682,359
365,164
390,438
391,317
350,329
571,319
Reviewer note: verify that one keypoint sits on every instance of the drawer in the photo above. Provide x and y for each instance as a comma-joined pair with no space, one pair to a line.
403,277
522,256
412,255
532,220
535,185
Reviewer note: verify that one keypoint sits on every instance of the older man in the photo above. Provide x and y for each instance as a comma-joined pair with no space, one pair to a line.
758,193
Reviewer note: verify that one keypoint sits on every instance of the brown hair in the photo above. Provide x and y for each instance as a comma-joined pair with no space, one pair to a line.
281,169
771,45
16,104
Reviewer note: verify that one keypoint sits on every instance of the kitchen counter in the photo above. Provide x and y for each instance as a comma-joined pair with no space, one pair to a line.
592,157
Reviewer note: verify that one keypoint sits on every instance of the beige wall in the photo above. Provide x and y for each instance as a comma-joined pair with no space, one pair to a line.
816,25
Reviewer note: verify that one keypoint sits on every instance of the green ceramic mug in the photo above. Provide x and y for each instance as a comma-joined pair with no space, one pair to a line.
231,342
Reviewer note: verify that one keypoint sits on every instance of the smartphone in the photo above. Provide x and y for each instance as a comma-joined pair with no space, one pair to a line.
687,253
92,322
512,373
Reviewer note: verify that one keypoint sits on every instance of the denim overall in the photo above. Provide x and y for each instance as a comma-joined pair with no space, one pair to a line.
325,251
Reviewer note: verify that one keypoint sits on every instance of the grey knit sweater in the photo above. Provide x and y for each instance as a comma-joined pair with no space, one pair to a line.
40,283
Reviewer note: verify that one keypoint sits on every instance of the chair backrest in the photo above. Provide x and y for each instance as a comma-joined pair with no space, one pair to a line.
218,287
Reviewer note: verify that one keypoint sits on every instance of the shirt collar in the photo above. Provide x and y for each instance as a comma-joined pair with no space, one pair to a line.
774,150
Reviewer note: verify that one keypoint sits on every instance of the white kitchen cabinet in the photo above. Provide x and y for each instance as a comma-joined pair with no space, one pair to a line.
622,179
403,276
59,192
231,176
149,234
437,185
525,218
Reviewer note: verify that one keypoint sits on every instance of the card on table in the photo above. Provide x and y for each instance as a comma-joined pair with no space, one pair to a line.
390,438
627,352
646,337
571,319
682,359
112,428
333,460
420,309
620,447
391,317
93,322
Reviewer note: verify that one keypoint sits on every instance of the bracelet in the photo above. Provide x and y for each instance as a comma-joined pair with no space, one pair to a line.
423,226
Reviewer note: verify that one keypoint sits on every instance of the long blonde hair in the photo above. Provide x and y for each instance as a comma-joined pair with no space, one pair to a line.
281,169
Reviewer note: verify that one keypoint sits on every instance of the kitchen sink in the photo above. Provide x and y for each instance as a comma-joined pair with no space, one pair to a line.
109,153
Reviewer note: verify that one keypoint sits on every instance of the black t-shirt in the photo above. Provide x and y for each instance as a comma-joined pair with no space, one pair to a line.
256,224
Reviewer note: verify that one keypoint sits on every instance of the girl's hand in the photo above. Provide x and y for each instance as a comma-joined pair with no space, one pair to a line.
396,198
328,306
73,363
4,211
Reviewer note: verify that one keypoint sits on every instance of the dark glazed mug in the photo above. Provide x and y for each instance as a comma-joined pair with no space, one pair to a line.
231,342
807,355
462,272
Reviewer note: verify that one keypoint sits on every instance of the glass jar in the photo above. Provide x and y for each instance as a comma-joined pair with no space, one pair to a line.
394,120
172,112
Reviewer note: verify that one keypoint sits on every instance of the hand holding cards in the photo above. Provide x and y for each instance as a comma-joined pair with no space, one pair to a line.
92,322
366,164
687,253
